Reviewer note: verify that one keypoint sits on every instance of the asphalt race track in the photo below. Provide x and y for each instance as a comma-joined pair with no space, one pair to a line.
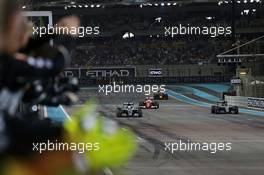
176,121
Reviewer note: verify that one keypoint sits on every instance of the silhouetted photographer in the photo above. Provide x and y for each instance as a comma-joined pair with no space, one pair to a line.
30,74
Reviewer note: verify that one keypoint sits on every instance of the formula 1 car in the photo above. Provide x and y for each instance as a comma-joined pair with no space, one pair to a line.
129,110
223,107
149,103
160,96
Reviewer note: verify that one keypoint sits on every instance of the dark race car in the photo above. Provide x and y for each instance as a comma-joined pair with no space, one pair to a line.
149,103
129,110
224,108
160,96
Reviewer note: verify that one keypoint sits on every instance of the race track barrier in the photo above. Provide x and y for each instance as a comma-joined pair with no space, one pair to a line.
246,102
86,81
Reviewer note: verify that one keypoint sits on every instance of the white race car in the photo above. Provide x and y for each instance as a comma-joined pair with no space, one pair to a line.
223,107
129,110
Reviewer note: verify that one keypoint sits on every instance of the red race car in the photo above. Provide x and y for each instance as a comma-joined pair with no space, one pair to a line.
149,103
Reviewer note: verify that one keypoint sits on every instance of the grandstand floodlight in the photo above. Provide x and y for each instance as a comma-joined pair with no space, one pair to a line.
131,35
158,19
246,11
141,6
72,2
156,4
92,6
168,4
238,2
86,6
80,6
74,6
243,73
175,3
65,7
24,7
126,35
98,5
162,4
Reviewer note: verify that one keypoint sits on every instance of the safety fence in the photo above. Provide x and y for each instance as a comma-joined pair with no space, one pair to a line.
254,90
154,80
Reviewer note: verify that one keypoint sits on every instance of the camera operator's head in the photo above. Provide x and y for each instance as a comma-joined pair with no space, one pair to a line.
11,26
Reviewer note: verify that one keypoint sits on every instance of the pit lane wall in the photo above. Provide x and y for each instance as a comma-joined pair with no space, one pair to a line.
246,102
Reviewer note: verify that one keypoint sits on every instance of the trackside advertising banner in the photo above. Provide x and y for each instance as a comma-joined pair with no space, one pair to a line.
155,72
101,72
255,103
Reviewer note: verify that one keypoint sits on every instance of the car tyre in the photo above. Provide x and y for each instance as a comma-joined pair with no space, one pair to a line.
213,110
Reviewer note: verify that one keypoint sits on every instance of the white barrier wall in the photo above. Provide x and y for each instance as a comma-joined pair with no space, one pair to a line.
246,102
237,100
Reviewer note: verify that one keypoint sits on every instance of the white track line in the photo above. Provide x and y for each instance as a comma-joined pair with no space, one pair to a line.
65,113
107,171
